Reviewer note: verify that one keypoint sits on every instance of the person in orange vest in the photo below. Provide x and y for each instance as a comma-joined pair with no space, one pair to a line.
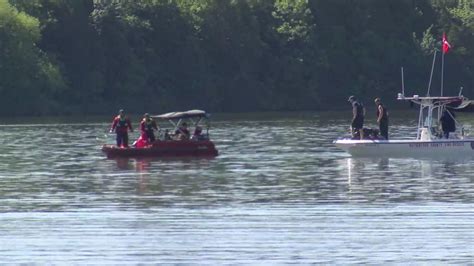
147,126
121,124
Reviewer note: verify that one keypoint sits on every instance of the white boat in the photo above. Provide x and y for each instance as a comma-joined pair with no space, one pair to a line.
428,142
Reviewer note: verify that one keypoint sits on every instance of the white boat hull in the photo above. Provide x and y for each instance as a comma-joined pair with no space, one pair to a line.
446,148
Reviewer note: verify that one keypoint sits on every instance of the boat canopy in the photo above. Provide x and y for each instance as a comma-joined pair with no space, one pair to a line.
182,115
465,105
432,100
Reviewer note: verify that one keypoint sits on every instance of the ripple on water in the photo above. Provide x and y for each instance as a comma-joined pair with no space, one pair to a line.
279,192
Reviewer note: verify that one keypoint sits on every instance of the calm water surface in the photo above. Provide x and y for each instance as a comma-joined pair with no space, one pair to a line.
278,193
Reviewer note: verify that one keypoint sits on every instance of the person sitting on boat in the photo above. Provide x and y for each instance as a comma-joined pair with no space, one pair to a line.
197,135
182,133
382,118
448,123
147,128
167,135
358,113
121,124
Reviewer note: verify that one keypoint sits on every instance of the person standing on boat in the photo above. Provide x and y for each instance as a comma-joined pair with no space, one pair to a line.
382,118
121,124
147,128
448,123
358,113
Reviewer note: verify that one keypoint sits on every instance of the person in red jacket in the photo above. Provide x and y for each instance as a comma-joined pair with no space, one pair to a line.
147,126
121,124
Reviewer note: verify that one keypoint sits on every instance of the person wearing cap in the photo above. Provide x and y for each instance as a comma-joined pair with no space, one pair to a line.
121,124
358,113
382,118
147,128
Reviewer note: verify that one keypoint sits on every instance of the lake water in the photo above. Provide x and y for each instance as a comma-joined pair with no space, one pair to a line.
278,193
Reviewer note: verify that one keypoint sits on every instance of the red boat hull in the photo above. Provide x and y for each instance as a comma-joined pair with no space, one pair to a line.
170,148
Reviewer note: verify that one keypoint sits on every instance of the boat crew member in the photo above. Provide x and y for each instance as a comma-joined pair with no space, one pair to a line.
382,118
448,123
121,124
358,113
147,127
182,132
197,135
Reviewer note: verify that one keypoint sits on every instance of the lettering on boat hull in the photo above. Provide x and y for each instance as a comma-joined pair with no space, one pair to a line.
438,145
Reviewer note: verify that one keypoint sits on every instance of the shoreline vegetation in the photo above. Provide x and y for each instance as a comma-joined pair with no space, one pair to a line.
85,57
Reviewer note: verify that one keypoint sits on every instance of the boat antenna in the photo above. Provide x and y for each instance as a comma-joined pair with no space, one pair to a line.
460,92
431,75
403,83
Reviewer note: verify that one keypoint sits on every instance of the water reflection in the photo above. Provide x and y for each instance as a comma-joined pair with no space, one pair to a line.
406,180
124,163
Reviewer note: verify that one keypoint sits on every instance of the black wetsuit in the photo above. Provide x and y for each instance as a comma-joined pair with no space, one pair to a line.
358,120
448,124
383,124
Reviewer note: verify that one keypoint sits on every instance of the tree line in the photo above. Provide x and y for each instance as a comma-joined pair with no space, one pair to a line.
95,57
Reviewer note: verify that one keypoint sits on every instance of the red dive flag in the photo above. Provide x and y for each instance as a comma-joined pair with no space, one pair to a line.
446,45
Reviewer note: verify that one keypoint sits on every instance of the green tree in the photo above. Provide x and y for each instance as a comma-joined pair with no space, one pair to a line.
238,55
29,79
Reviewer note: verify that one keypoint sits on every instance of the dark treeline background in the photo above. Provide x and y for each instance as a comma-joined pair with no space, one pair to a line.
94,57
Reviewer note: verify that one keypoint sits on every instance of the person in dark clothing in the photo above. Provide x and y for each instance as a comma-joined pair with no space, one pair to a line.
121,124
182,133
358,113
147,127
382,118
448,123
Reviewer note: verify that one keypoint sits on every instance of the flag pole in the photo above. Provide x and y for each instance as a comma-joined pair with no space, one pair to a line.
442,72
445,48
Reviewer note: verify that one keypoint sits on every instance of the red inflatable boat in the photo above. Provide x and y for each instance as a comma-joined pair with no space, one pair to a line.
170,148
172,144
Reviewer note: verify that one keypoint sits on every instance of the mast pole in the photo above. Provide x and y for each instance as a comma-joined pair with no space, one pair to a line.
431,75
403,83
420,122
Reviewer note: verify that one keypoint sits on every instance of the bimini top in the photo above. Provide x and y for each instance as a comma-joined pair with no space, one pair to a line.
440,100
181,115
